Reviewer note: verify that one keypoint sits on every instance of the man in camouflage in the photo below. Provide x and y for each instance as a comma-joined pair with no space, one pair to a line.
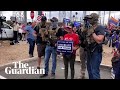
93,38
41,33
51,48
83,54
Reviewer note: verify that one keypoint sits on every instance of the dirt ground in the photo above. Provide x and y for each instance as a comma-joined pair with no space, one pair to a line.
10,53
106,59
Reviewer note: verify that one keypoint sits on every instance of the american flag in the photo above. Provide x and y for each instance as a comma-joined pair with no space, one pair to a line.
111,26
112,22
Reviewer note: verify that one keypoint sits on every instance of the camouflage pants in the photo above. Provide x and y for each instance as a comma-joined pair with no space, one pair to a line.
83,59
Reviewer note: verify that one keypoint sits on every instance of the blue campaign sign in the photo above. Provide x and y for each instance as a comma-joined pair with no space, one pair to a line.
66,20
65,46
76,24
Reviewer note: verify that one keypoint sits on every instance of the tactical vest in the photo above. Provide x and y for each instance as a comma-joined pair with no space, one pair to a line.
87,33
90,44
52,37
48,35
43,30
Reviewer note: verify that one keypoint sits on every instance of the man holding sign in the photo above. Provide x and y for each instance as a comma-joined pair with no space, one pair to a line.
70,56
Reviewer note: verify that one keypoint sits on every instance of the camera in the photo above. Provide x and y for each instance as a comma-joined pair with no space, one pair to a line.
2,18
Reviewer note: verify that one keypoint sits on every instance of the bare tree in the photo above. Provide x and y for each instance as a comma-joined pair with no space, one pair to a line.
50,15
0,13
70,15
109,14
103,17
25,16
99,13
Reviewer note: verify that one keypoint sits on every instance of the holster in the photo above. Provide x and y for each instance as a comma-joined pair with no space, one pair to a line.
94,47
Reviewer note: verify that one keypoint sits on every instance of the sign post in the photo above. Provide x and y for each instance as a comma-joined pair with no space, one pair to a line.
32,15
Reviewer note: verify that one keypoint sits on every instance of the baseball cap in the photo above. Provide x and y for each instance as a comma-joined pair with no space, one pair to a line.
87,17
68,28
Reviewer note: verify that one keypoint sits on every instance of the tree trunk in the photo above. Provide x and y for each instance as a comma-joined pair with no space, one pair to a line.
25,16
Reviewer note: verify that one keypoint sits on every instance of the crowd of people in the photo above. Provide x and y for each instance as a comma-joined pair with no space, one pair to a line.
114,42
88,38
19,33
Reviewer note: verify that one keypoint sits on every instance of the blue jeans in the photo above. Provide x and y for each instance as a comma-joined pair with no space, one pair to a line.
48,51
31,46
93,64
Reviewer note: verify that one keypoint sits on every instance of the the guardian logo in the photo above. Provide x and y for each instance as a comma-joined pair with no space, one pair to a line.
23,68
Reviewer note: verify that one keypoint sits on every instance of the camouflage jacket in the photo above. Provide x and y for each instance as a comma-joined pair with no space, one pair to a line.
52,37
42,30
48,35
88,34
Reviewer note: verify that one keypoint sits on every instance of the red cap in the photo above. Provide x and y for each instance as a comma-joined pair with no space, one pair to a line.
68,27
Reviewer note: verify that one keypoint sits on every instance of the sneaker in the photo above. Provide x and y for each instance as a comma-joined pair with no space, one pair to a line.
44,75
52,76
31,56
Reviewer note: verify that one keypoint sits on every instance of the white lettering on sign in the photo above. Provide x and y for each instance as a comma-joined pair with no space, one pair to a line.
64,46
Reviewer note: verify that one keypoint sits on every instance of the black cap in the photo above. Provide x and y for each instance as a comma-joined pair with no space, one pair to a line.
87,17
43,18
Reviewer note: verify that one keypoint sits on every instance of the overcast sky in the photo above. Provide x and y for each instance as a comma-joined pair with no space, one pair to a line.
53,14
115,14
